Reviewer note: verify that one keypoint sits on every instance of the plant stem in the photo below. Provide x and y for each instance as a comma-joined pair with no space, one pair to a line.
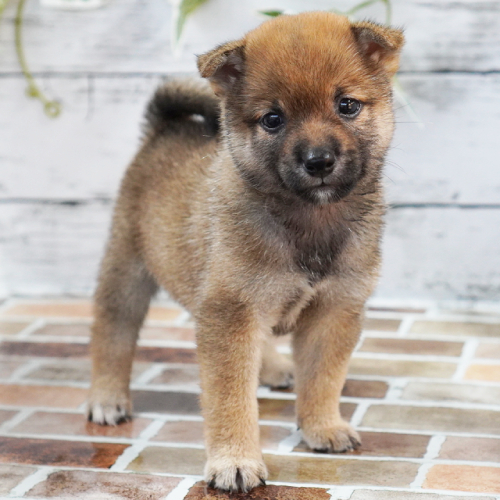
364,5
3,4
388,11
51,108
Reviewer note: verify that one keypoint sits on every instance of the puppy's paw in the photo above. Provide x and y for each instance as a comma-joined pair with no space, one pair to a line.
277,373
233,474
112,410
333,439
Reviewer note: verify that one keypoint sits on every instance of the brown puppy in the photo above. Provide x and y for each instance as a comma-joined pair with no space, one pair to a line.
271,225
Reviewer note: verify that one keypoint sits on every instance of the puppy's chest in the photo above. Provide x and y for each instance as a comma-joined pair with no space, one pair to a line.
317,254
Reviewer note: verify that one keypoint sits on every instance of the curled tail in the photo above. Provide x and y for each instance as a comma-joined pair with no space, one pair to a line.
183,106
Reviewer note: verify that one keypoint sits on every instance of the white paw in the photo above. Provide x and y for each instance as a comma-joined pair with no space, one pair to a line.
334,439
111,411
232,474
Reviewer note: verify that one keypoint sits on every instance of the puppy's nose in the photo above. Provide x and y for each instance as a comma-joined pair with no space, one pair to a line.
319,163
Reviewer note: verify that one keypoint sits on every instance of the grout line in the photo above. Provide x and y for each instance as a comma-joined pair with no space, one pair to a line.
44,339
429,380
438,337
182,489
434,446
166,342
359,413
128,455
265,392
47,382
30,482
191,388
427,432
182,319
340,492
405,326
423,403
5,306
287,444
446,493
71,437
284,349
421,476
277,423
446,317
406,357
145,377
17,375
396,388
467,356
35,325
179,344
16,420
131,453
83,408
151,430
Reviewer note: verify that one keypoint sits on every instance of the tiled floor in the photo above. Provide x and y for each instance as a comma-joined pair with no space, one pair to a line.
423,390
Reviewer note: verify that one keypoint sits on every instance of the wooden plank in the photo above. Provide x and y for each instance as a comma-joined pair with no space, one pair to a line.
454,157
441,254
83,154
135,35
51,249
428,253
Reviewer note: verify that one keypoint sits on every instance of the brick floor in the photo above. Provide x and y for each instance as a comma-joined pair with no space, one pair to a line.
425,400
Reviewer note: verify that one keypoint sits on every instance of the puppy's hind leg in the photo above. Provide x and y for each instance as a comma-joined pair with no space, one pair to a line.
276,370
121,303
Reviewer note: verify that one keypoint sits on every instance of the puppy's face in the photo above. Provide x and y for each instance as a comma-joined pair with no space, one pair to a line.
307,108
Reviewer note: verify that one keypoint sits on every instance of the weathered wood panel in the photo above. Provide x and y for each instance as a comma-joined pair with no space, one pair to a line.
428,253
83,154
51,249
134,35
104,65
441,254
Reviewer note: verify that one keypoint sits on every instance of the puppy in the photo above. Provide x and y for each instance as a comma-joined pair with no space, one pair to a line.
258,205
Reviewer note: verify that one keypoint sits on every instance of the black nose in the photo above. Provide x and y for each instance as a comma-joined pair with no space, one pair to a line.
319,163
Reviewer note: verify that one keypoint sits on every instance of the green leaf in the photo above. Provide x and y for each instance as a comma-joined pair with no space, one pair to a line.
186,7
271,13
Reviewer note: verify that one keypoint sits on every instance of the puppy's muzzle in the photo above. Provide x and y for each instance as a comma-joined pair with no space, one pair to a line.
318,162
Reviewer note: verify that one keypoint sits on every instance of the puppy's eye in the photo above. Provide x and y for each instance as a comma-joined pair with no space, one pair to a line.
349,106
271,122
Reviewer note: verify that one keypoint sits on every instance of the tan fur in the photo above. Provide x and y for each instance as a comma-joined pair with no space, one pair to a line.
205,217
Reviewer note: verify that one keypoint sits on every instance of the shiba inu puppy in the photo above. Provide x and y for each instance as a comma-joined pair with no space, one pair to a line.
257,203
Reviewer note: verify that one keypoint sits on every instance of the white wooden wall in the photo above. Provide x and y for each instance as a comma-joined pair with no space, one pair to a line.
58,177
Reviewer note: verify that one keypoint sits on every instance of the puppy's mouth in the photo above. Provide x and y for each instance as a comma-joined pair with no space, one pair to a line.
328,192
321,190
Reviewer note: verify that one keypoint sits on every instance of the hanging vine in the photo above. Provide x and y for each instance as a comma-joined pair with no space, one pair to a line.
51,108
184,9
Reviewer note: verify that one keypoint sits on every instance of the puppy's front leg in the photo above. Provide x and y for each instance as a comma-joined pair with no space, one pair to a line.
325,338
229,352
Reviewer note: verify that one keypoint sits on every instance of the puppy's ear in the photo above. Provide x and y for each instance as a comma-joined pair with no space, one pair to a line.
223,66
379,44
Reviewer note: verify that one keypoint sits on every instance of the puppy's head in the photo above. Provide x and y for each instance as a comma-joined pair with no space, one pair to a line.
307,103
